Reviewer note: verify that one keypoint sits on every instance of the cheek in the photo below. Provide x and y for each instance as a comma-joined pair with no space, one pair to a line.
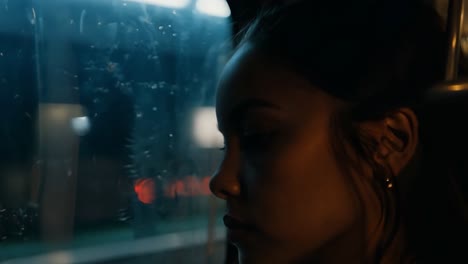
303,193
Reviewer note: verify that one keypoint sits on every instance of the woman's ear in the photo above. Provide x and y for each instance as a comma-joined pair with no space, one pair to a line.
396,138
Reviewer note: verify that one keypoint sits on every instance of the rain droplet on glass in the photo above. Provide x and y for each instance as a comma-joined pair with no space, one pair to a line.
160,27
155,109
139,114
32,16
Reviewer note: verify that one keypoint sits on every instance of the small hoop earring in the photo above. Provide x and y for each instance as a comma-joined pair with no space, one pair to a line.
387,179
391,211
389,182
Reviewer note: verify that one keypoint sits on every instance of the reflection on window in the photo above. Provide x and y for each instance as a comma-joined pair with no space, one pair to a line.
108,131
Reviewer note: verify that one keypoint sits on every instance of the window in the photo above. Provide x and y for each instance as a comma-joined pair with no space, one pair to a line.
108,134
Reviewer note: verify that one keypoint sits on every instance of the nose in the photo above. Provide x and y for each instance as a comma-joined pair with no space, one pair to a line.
225,183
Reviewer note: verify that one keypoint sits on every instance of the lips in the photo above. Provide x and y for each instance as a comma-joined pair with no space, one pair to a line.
234,224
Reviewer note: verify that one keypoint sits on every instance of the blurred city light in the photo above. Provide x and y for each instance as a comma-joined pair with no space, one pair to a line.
218,8
81,125
205,128
146,190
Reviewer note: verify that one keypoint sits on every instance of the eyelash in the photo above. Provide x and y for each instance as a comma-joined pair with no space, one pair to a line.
255,141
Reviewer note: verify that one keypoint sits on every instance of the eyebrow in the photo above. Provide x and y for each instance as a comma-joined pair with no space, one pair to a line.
238,111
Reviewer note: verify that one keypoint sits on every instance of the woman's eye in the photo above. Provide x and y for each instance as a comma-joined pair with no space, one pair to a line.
257,141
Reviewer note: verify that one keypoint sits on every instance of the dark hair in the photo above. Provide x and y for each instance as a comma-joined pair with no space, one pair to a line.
378,56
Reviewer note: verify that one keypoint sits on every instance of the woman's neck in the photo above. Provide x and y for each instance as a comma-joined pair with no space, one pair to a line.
349,247
397,252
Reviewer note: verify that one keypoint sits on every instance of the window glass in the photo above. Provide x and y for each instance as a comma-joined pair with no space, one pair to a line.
108,130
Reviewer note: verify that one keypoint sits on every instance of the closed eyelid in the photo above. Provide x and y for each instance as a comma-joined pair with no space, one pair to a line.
253,127
244,109
240,112
262,121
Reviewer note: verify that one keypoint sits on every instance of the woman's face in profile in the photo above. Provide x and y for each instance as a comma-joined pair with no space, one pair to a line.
286,195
